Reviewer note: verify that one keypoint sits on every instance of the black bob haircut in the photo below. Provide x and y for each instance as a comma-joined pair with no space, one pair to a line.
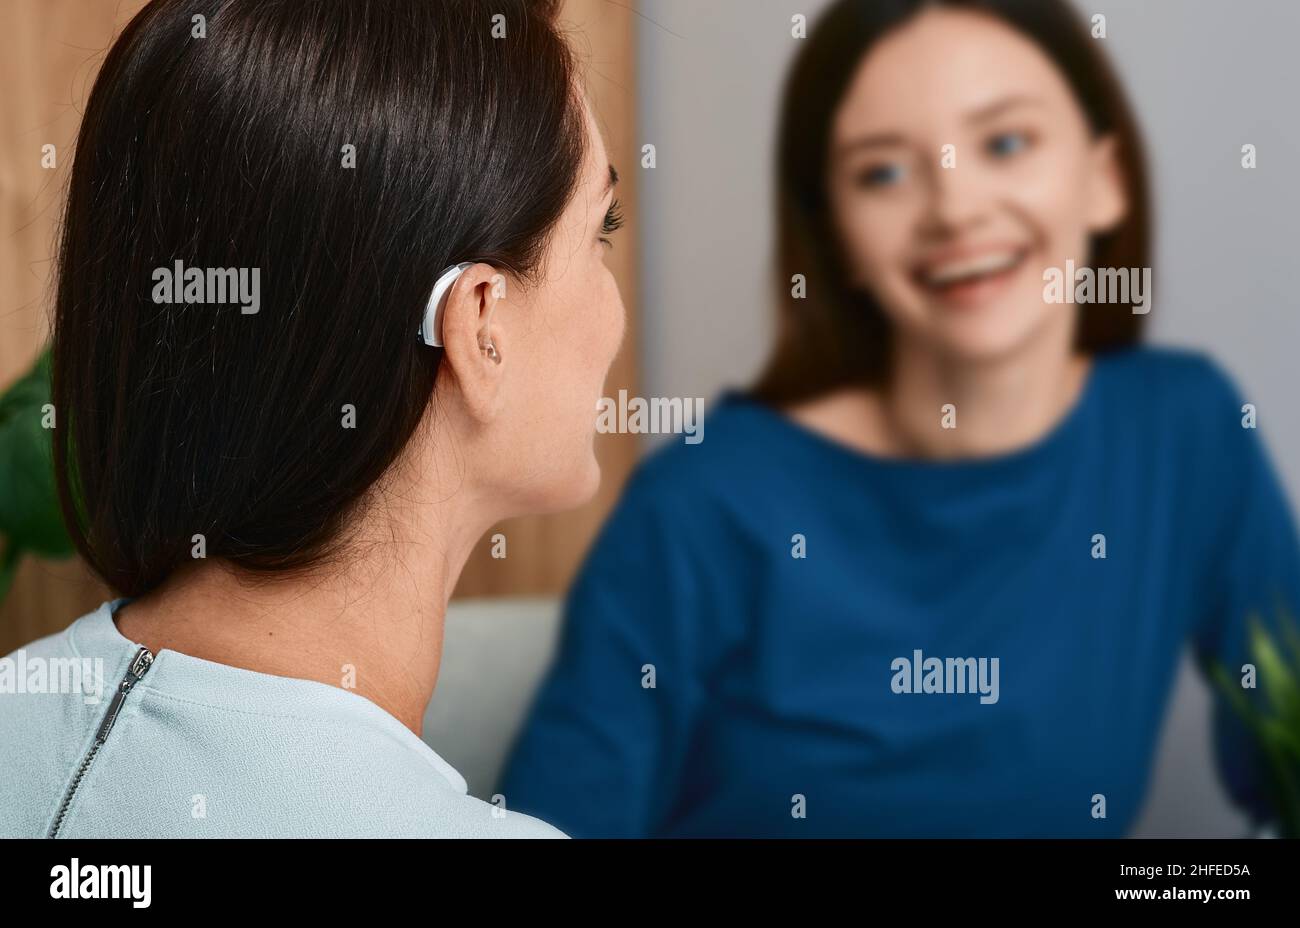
230,151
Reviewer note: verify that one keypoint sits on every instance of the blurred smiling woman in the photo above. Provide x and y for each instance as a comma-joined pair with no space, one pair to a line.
285,497
933,575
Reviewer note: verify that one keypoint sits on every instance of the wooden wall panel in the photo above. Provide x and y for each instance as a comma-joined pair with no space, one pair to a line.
49,53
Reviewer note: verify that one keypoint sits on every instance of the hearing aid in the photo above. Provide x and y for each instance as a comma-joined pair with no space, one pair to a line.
431,325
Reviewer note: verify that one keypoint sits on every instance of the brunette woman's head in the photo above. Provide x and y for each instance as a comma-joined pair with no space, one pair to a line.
340,154
934,158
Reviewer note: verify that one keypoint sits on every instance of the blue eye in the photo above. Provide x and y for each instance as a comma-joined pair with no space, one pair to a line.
1005,144
882,175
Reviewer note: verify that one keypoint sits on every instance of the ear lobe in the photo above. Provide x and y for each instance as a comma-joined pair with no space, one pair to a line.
1107,196
468,327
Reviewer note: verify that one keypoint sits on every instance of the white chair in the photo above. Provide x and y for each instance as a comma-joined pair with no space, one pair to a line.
494,654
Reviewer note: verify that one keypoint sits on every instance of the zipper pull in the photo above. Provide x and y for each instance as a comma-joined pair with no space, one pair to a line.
139,667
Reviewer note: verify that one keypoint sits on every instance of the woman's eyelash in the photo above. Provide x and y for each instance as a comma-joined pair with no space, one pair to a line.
1019,140
1004,144
613,221
880,175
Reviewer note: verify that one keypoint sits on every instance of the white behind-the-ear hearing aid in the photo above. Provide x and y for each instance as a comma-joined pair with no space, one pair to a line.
431,326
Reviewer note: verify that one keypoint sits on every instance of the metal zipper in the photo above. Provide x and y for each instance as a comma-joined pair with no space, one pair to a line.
139,667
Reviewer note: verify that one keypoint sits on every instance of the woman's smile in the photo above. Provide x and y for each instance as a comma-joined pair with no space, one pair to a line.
969,277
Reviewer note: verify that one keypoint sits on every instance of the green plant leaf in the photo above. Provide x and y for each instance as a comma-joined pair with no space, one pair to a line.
1273,721
1290,633
30,517
8,567
1276,678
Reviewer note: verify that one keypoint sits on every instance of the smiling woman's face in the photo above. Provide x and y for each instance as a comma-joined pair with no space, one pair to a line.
955,255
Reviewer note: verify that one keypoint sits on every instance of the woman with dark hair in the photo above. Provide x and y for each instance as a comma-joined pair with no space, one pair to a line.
933,574
282,426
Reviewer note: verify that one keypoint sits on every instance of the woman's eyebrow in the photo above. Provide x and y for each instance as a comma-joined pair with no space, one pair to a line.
998,107
610,182
982,114
876,140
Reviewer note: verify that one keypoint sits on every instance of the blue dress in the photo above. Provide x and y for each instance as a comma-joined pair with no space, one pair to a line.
952,654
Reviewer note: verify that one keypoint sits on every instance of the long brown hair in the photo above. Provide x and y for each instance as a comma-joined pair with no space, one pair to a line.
837,335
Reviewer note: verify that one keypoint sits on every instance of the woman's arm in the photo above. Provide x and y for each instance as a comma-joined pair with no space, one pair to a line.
1254,573
605,743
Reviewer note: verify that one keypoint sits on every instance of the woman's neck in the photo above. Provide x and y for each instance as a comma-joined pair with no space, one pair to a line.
936,407
373,624
940,408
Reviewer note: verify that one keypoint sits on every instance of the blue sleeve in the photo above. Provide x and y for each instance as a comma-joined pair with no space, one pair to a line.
603,747
1254,574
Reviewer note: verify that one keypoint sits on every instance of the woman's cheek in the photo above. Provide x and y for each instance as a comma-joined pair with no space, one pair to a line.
1050,195
615,316
886,261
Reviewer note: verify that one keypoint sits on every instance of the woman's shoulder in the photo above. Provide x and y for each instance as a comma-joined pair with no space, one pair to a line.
314,760
480,819
1181,410
1167,373
1174,400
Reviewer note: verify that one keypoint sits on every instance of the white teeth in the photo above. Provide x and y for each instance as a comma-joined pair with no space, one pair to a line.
970,267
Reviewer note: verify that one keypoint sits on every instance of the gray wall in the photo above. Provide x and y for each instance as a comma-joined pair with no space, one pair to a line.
1205,77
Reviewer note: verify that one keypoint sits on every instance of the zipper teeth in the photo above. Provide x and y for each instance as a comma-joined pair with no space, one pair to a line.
138,667
72,789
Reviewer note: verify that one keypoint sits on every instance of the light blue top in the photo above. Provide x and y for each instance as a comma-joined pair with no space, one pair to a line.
200,749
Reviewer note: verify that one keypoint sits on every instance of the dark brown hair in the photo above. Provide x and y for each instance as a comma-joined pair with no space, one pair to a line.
228,151
838,335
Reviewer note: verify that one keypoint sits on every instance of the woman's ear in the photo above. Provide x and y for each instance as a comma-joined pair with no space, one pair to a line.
474,341
1107,198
